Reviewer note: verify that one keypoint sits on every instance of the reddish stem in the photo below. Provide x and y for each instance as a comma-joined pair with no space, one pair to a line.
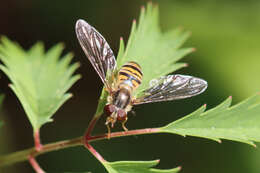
37,140
35,165
88,138
91,126
88,135
123,133
94,152
23,155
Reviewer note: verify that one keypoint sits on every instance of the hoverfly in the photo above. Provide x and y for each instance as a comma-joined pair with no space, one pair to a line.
120,85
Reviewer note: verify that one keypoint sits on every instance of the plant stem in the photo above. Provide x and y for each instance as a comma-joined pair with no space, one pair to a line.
35,165
125,133
88,135
99,112
37,140
91,127
94,152
23,155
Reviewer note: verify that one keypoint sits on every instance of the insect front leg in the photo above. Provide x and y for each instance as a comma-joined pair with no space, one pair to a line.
111,120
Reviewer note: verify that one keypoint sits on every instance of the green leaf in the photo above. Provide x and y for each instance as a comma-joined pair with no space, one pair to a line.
136,167
40,80
156,52
238,123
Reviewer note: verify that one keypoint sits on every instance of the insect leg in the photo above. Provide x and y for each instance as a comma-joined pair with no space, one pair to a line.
123,124
112,121
108,132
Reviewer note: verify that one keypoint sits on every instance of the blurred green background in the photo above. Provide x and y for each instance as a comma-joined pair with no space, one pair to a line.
226,36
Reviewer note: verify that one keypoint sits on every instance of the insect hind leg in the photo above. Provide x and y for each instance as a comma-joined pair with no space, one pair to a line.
123,124
108,132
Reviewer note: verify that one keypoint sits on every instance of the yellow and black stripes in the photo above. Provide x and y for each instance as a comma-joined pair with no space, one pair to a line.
130,74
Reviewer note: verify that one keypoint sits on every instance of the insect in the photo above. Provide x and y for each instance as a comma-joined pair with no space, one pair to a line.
122,83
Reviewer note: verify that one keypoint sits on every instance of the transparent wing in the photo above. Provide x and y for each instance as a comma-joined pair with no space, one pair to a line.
96,49
172,87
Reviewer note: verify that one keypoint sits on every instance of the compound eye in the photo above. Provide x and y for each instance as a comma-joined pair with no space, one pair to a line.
109,109
121,115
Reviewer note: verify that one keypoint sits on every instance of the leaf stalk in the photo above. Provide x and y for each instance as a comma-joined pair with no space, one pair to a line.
23,155
37,140
35,165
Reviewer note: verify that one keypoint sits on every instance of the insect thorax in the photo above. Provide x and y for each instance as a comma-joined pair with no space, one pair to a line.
122,97
129,77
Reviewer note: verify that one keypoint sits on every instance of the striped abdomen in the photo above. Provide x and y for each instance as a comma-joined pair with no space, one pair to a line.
130,74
